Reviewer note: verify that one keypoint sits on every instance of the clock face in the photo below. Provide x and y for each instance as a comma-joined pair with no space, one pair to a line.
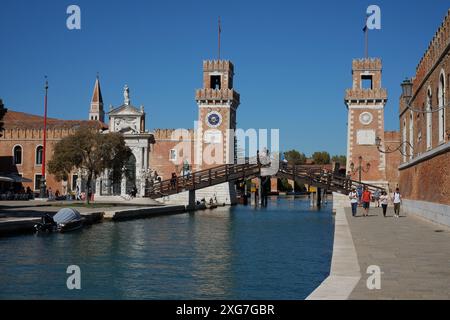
213,119
365,118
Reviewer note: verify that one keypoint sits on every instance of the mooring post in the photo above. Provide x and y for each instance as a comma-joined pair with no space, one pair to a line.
311,198
319,197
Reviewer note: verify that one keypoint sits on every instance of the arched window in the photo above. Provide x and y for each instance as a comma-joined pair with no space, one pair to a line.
17,155
39,154
429,119
411,134
441,103
404,140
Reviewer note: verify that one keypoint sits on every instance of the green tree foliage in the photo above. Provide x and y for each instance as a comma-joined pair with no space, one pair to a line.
90,151
321,157
341,159
2,113
284,185
295,157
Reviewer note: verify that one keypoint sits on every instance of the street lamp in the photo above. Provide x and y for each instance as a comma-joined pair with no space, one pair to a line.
360,168
389,150
407,94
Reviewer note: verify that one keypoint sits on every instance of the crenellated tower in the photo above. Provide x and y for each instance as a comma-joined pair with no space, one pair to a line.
365,102
217,102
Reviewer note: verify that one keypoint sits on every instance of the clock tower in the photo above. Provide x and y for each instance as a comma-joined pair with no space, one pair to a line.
217,105
365,102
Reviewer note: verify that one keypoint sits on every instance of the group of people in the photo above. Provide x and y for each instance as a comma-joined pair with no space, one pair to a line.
363,197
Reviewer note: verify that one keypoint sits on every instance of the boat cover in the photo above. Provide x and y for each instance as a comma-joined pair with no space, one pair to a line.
66,215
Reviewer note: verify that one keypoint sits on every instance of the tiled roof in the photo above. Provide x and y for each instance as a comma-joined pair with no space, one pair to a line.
14,119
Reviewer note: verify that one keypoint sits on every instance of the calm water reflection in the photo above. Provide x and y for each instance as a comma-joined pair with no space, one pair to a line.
279,252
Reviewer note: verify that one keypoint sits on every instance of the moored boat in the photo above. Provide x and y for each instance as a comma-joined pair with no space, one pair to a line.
65,220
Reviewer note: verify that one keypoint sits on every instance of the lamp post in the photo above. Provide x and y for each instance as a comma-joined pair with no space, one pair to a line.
43,188
360,168
389,150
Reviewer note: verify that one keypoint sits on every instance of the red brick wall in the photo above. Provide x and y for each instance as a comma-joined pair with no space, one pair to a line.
393,160
160,151
428,180
29,140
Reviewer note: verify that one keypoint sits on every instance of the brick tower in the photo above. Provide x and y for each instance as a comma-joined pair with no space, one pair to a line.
96,111
365,102
217,102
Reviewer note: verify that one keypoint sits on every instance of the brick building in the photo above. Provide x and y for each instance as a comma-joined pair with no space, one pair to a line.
165,151
425,132
21,150
365,102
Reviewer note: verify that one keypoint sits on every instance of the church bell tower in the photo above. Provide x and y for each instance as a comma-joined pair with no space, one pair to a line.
96,111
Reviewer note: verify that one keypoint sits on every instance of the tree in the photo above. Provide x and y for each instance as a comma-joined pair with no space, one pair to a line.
284,185
91,151
322,157
341,159
295,157
2,113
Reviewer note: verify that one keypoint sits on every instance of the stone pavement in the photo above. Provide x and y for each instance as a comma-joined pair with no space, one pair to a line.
413,255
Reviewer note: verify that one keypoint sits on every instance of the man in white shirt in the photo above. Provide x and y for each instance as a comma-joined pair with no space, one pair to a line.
353,196
397,201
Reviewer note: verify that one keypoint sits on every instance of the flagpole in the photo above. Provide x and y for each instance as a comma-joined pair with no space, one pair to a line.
220,30
366,46
43,191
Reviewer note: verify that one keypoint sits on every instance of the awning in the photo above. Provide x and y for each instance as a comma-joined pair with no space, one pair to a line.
6,179
14,178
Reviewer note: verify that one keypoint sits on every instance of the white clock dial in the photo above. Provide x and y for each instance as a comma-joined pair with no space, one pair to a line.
365,118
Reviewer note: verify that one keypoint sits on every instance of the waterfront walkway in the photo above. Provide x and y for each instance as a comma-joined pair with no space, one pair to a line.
413,255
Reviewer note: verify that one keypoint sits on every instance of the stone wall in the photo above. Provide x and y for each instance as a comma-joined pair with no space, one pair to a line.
224,192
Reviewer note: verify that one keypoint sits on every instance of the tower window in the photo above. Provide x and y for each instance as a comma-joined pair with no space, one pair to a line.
366,82
215,82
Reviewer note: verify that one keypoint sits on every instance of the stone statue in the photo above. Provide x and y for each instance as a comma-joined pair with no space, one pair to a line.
126,95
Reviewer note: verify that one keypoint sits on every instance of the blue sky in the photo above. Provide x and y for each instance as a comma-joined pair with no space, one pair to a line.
292,58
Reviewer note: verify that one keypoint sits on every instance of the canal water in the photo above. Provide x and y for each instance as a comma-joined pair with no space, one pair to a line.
279,252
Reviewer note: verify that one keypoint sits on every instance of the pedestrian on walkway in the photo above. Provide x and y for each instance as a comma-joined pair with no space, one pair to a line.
359,191
376,197
366,197
353,196
384,199
397,201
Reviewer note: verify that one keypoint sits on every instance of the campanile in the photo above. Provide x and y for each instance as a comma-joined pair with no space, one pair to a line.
365,102
217,105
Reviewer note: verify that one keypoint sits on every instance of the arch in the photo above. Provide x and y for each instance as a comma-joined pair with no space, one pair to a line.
404,139
429,108
130,173
411,134
39,152
441,104
17,153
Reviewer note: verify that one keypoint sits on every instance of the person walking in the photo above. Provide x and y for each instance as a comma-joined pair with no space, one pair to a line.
365,198
397,201
359,191
384,198
376,197
353,196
